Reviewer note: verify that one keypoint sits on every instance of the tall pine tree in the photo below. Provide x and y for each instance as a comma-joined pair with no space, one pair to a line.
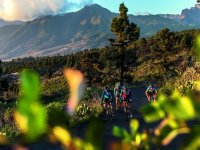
125,33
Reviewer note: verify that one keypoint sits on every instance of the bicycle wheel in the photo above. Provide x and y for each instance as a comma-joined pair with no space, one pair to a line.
110,114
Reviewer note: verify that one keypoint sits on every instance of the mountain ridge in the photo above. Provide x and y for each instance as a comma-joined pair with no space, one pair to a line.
71,32
187,16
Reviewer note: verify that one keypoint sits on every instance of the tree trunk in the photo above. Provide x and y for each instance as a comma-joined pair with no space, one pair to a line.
122,64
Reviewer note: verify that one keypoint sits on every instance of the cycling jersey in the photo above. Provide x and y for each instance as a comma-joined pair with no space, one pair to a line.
151,89
126,95
117,91
106,97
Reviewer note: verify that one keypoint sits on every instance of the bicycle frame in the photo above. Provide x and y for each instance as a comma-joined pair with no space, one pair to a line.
108,111
127,108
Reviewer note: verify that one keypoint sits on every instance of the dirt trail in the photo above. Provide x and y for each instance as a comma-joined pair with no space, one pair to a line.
120,120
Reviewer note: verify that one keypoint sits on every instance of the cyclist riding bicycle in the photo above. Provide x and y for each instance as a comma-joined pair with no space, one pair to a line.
151,92
117,93
126,97
106,98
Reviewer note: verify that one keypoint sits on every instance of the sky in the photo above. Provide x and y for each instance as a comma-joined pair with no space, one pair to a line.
149,6
30,9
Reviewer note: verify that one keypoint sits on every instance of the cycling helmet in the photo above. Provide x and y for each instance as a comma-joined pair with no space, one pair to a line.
106,88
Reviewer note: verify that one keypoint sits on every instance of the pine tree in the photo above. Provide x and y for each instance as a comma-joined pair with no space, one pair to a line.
125,33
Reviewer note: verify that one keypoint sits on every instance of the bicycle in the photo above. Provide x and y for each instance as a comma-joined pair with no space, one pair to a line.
120,103
150,98
109,111
128,108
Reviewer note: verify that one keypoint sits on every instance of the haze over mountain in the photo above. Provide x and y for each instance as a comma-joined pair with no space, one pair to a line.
71,32
5,23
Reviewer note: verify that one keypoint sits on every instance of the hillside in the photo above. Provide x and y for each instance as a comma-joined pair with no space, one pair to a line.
71,32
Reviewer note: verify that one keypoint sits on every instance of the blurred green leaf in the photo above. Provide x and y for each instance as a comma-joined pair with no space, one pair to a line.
153,112
95,133
180,107
197,50
122,133
30,115
30,85
134,126
138,139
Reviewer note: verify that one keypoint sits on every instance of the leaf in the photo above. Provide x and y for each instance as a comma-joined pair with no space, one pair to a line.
152,112
134,126
180,107
95,128
197,50
117,131
30,86
121,133
138,139
62,135
30,115
75,81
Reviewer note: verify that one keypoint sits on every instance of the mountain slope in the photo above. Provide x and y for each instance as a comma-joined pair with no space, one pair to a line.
62,34
191,16
188,16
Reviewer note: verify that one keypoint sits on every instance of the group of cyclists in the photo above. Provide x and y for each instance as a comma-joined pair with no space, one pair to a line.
123,96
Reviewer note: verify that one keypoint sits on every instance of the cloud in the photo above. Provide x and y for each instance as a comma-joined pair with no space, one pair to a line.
30,9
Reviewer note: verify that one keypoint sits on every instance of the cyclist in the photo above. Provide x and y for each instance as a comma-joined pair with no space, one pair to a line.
151,92
106,98
126,97
117,93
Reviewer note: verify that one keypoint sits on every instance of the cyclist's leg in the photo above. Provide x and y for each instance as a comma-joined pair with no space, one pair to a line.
111,105
121,102
148,98
125,104
117,102
154,97
104,105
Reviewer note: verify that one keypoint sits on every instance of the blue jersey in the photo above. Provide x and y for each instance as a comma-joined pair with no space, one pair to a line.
106,95
152,88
